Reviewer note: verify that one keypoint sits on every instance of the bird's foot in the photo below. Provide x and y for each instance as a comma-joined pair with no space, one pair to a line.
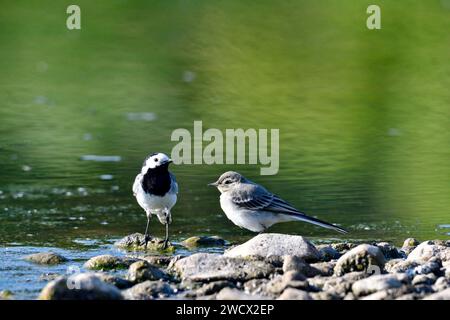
147,238
165,244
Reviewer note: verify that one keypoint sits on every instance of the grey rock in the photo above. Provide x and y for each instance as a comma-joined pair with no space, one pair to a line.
400,266
294,294
204,241
362,258
118,282
433,265
135,242
324,295
428,279
340,286
148,290
211,288
235,294
212,267
441,284
290,279
294,263
427,250
158,260
409,245
141,271
80,286
389,251
343,247
328,253
45,258
377,283
257,286
108,262
442,295
274,244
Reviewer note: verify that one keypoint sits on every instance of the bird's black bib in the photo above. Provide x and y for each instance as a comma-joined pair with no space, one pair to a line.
157,181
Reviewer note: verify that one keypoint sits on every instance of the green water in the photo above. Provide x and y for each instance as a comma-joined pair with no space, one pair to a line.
364,117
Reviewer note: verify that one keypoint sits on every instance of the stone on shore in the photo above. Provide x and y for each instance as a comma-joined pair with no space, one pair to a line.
294,294
273,244
108,262
135,242
362,258
80,286
204,267
202,241
45,258
148,290
235,294
377,283
141,271
427,250
443,295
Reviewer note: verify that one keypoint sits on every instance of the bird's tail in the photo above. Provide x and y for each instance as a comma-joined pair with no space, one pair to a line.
318,222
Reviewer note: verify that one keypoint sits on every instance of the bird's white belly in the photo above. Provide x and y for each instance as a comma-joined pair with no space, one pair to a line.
256,221
156,204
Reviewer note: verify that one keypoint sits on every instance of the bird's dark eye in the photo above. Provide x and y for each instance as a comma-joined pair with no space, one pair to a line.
156,159
227,181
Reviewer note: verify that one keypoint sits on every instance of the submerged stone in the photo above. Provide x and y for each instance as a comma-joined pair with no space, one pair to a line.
136,241
203,241
45,258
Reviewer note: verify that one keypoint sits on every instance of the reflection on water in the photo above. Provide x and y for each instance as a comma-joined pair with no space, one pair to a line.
363,116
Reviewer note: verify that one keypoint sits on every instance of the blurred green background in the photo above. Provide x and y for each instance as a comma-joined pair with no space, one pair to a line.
364,116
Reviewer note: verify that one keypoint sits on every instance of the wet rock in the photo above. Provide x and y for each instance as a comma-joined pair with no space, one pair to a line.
362,258
212,267
442,295
6,295
108,262
80,286
377,283
427,250
273,244
235,294
136,241
49,276
294,294
148,290
159,260
389,251
328,253
141,271
45,258
323,295
201,241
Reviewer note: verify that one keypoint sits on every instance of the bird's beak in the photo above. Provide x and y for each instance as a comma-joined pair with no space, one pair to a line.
167,161
214,184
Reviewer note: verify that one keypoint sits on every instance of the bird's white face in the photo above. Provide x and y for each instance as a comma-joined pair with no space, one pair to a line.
154,161
228,181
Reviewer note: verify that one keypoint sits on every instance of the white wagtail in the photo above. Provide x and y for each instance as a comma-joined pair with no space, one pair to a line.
250,206
155,189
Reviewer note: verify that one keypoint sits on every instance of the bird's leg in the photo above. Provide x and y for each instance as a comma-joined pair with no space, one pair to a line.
168,220
146,236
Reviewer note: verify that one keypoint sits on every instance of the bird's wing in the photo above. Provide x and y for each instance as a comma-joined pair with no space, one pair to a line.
173,184
255,197
137,184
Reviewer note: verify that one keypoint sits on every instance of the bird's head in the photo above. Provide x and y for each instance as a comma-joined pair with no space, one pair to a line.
155,161
228,181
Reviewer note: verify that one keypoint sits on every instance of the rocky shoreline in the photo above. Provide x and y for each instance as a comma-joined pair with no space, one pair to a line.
268,266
